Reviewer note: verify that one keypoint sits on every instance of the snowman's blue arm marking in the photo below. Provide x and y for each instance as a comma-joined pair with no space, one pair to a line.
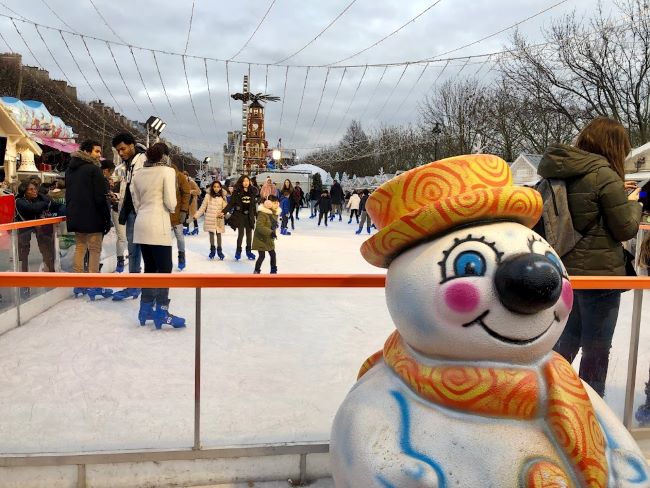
384,483
405,441
635,464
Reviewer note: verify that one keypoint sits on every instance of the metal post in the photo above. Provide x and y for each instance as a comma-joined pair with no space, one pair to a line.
632,358
147,127
197,372
14,250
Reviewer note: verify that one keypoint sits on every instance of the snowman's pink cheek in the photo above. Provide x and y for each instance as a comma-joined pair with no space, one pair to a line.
567,294
462,297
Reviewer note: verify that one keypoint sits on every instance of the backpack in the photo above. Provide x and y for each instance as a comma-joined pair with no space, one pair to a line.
556,224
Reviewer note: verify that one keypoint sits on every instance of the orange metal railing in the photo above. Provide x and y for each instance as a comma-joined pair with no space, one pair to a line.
88,280
31,223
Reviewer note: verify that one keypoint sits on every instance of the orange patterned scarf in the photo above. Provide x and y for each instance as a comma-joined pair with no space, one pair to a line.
514,393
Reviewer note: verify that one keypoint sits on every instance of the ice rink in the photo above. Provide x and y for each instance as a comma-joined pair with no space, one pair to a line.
276,362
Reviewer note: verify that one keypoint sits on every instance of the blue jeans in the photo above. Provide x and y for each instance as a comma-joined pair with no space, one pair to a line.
135,254
591,326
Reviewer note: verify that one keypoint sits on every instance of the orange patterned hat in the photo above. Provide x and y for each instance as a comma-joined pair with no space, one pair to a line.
438,196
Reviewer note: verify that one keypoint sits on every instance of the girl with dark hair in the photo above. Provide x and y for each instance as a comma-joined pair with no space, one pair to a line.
605,216
242,205
153,189
213,206
288,187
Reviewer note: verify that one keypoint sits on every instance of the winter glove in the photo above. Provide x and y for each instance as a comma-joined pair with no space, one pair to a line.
274,235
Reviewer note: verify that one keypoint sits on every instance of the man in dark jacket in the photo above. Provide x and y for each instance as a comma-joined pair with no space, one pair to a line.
337,195
297,198
314,195
88,212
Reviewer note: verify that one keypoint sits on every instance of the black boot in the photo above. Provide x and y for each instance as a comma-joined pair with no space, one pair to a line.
181,260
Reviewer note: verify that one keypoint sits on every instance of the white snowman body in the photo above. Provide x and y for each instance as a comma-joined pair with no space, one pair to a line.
448,308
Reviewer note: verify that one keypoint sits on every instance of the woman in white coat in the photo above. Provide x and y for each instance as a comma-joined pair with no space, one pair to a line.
353,205
153,190
214,223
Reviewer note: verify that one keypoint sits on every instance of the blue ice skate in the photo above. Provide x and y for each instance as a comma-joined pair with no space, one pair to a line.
102,292
146,312
161,316
134,293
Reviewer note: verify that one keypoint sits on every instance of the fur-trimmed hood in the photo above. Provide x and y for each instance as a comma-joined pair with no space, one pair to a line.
79,158
263,209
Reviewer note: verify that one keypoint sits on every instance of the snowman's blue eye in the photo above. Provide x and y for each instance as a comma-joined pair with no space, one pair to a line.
556,261
469,263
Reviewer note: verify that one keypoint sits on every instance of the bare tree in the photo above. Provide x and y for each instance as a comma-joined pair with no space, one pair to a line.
583,70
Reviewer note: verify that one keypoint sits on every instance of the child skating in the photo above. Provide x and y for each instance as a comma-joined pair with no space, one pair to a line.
214,222
264,236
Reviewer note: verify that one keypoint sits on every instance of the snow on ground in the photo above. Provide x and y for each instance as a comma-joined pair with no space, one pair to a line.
276,362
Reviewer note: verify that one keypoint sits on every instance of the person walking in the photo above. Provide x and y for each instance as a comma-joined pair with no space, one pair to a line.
265,236
153,190
133,159
324,207
32,205
365,218
181,213
88,214
337,196
605,215
242,205
121,244
213,207
353,204
195,192
297,197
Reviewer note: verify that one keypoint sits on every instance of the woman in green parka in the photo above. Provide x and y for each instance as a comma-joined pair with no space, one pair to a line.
605,215
264,237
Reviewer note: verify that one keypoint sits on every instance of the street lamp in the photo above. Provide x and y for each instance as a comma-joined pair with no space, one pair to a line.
154,126
436,131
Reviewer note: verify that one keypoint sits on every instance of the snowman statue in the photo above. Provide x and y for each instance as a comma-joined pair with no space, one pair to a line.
467,392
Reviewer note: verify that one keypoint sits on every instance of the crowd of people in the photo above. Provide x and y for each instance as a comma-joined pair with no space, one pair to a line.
150,203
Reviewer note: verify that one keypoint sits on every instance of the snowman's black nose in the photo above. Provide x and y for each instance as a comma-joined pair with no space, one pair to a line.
528,283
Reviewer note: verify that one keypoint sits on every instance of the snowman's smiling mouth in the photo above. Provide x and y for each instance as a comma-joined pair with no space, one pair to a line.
520,342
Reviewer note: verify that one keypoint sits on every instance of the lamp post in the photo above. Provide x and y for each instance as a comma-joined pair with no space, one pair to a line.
436,131
154,127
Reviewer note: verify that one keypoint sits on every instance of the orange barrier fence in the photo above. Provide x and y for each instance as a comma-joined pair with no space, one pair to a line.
31,223
105,280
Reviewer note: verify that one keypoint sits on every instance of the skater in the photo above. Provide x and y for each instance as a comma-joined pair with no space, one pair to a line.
365,218
268,188
285,208
88,211
314,195
181,214
297,197
606,216
153,190
336,193
121,244
242,206
264,239
195,192
324,206
133,159
353,204
643,412
213,206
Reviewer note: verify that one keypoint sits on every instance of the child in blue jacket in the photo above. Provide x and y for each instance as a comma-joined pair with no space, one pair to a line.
285,207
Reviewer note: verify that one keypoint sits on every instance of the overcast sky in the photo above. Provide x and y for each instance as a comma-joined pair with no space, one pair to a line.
220,29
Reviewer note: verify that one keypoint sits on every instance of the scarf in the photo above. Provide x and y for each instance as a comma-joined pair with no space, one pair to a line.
514,393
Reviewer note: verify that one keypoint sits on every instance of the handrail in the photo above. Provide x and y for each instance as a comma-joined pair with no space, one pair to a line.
163,280
31,223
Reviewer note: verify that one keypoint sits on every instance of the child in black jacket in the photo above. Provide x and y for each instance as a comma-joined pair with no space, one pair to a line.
324,206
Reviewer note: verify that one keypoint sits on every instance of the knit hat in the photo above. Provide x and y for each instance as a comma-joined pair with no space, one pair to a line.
434,198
